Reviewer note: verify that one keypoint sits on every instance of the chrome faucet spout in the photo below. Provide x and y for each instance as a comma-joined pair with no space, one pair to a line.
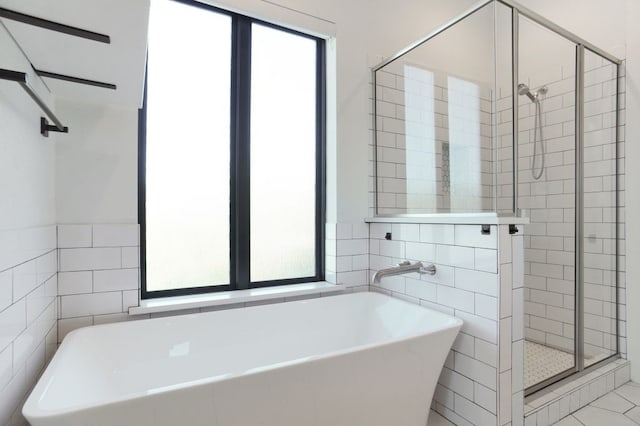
403,268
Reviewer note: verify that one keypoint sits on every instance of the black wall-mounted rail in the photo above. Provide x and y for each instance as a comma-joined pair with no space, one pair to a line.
78,80
53,26
45,127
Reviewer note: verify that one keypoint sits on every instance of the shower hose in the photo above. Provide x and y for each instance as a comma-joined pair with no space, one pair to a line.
538,138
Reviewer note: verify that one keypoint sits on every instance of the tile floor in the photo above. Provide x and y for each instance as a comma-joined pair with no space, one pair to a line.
618,408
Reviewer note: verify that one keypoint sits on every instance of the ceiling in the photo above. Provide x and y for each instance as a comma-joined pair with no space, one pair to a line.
122,62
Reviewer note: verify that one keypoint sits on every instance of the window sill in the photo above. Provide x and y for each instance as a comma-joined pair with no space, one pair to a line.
177,303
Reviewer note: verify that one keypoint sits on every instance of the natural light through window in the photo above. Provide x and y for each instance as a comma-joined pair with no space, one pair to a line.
282,129
232,151
187,182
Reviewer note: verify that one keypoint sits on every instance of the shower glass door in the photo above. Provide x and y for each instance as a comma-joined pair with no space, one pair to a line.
599,183
568,185
547,195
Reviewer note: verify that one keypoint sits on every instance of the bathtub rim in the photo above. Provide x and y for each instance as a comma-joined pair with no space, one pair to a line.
30,408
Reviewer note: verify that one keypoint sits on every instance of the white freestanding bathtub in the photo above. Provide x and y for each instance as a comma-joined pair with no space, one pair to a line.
360,359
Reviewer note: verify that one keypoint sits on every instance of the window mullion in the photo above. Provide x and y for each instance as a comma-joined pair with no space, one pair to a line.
321,125
241,157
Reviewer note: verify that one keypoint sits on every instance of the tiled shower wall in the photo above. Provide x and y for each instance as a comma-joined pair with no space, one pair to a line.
481,383
434,141
550,204
601,154
550,201
28,313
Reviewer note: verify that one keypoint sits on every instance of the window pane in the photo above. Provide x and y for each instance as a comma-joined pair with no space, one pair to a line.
283,155
187,176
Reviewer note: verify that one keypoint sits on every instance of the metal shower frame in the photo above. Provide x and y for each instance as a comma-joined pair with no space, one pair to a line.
582,45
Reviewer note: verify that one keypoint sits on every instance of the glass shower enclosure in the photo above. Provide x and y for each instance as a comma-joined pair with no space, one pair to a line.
501,112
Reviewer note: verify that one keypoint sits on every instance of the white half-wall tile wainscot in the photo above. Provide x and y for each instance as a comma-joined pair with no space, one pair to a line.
98,274
479,278
28,314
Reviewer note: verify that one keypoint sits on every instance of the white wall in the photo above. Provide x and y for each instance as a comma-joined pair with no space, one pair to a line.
96,164
633,196
27,238
598,22
26,158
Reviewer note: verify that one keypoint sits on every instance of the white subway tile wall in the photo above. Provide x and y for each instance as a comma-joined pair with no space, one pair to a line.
28,314
434,144
478,279
469,283
347,255
550,202
511,351
98,274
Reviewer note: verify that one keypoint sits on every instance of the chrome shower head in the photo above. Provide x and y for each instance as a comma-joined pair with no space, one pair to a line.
523,89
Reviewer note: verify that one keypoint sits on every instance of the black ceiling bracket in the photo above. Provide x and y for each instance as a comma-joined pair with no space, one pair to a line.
73,79
53,26
45,128
23,81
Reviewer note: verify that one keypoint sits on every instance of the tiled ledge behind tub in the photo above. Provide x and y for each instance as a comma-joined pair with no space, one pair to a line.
481,383
28,312
98,274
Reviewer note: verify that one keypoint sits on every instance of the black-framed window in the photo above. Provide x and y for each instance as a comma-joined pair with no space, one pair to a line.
231,153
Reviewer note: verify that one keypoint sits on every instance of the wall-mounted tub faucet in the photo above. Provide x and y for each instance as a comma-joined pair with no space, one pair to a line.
403,268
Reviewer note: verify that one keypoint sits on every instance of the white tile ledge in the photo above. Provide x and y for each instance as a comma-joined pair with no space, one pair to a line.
452,218
177,303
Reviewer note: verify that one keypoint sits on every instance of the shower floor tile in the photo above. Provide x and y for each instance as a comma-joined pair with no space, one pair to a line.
542,362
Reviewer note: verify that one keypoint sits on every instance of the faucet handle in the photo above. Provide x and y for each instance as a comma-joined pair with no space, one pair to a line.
404,263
